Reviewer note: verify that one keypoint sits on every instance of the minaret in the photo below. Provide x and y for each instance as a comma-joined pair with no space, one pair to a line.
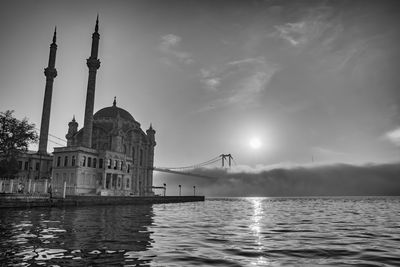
72,130
50,72
93,64
150,159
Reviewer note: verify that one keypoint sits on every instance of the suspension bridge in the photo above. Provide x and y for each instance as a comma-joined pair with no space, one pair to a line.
188,170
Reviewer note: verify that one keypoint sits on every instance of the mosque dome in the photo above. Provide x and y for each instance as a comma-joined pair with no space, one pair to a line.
112,113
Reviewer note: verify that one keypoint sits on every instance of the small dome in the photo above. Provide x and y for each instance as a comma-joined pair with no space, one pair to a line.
112,112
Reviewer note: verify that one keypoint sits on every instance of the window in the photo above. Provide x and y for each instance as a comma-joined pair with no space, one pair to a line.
26,165
84,161
73,161
37,166
114,180
89,162
109,163
100,179
141,157
58,161
108,180
66,161
115,164
20,165
119,182
100,163
127,182
128,168
94,162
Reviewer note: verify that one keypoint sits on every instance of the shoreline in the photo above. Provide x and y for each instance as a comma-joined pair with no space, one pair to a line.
8,200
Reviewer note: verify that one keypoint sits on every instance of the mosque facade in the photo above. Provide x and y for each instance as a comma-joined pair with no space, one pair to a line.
119,161
110,155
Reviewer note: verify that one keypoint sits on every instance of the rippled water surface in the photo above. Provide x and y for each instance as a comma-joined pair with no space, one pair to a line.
349,231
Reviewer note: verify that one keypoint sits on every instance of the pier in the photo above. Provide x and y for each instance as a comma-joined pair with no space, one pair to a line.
43,200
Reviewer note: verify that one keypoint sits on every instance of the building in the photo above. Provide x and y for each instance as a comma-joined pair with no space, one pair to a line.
119,161
109,155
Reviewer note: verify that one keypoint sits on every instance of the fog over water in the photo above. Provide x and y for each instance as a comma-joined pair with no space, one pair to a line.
291,180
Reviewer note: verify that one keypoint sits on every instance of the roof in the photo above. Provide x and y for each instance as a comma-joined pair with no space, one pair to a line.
113,112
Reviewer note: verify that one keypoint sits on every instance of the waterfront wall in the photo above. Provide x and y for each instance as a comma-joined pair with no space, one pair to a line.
43,200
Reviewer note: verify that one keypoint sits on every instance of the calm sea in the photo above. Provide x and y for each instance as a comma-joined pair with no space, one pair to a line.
351,231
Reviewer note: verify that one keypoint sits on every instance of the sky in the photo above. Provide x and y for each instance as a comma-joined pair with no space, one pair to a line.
274,83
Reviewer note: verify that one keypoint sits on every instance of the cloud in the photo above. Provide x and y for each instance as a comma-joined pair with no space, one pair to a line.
294,33
209,80
294,180
212,83
393,136
170,47
170,40
319,26
239,81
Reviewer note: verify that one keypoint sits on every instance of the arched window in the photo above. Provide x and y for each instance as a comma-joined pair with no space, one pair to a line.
100,163
66,161
141,157
58,161
84,161
73,161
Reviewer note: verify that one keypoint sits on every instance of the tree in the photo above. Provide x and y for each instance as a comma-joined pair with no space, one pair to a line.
9,167
15,136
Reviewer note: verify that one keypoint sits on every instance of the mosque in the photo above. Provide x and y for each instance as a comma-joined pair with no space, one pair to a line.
110,155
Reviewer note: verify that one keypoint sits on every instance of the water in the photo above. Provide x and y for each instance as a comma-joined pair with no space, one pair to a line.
218,232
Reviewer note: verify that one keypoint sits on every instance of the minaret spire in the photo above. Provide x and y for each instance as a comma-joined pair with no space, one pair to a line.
93,64
55,35
50,72
96,28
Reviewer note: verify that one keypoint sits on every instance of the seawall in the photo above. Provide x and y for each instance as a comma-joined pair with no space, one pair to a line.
30,201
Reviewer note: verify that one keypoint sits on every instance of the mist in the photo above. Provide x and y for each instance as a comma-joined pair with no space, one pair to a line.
321,180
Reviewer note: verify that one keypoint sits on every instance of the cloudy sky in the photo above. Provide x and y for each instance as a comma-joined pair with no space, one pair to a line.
270,82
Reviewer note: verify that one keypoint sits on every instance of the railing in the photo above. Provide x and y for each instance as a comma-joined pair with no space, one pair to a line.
38,187
23,186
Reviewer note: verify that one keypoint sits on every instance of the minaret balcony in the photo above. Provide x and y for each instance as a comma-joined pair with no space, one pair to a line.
93,63
50,72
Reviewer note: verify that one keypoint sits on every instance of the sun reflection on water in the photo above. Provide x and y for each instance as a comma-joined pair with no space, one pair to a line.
256,223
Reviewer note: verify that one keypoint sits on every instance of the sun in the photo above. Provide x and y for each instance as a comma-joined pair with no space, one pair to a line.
255,143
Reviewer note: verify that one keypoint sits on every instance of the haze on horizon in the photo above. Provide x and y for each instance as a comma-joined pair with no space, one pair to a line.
271,82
